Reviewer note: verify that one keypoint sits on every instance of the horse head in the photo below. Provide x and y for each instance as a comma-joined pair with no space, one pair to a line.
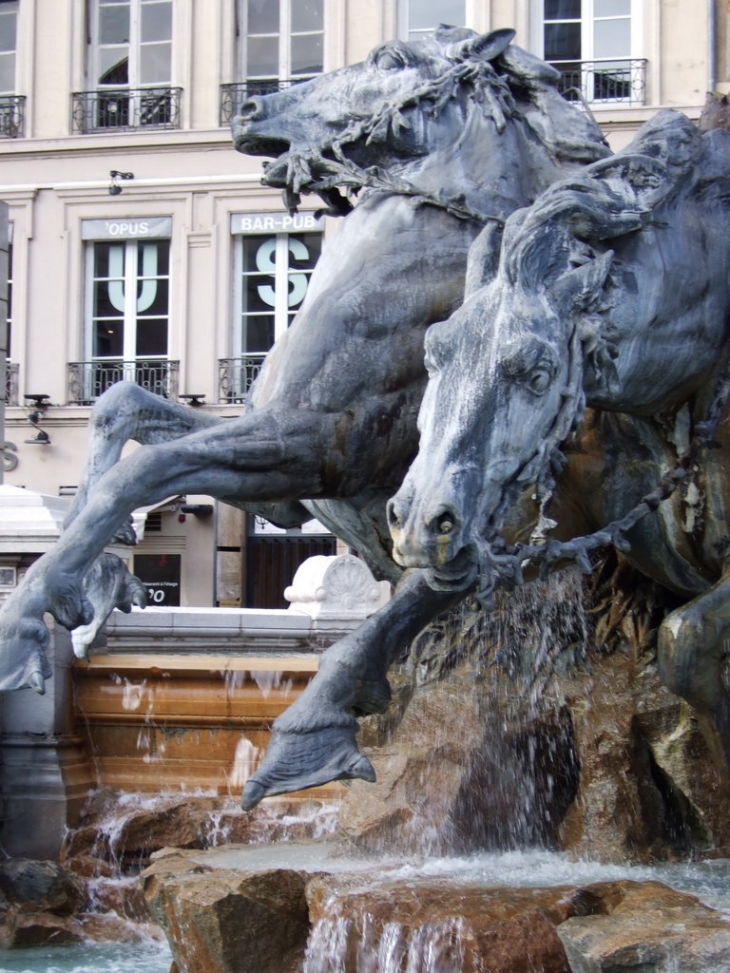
406,101
510,372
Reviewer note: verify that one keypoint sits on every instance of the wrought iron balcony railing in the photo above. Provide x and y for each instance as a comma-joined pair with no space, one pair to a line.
88,379
11,383
126,109
12,116
236,376
614,81
234,95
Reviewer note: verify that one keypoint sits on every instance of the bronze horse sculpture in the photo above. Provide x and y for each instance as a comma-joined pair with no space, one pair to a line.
611,292
442,136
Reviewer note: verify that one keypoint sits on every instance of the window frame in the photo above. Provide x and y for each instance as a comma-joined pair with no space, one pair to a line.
587,20
134,47
6,13
285,35
282,316
404,11
130,315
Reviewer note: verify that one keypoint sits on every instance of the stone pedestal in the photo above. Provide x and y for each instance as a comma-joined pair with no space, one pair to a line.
45,770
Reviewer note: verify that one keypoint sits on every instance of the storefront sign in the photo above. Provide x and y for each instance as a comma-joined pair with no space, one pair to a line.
157,228
251,223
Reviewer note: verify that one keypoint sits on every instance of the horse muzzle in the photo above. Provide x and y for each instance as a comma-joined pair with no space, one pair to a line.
430,539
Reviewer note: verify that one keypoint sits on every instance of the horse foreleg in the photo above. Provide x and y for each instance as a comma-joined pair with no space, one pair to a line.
262,456
693,645
313,742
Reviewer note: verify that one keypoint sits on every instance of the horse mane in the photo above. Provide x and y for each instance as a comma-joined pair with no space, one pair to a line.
515,82
606,200
570,136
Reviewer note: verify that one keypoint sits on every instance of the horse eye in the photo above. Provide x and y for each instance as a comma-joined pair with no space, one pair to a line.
539,381
390,61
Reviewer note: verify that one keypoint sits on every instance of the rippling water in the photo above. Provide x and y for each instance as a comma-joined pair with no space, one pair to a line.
152,957
708,880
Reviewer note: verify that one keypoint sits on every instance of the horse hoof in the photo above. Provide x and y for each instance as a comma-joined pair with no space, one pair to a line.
296,761
126,534
253,794
23,640
37,682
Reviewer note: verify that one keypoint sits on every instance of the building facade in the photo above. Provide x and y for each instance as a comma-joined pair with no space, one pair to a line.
143,247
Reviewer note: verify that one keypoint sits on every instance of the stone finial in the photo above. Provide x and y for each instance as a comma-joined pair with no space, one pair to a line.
339,586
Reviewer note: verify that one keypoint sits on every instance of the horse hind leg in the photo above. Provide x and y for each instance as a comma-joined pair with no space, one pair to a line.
693,646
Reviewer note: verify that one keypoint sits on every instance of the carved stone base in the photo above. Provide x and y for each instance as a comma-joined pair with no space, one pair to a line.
43,786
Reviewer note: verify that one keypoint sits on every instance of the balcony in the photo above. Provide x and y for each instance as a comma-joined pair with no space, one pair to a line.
620,81
236,376
11,383
12,116
128,109
234,95
87,380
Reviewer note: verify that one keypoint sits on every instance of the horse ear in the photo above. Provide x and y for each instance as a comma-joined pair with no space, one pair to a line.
580,288
486,47
483,260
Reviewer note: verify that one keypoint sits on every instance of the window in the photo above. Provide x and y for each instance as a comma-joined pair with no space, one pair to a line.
284,40
133,42
590,42
11,368
130,67
9,318
273,258
8,36
418,18
160,574
127,307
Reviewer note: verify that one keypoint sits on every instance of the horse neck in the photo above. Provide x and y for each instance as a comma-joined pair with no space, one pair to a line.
666,317
494,172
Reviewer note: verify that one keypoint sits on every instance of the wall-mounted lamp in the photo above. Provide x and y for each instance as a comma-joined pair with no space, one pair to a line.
197,509
114,187
39,403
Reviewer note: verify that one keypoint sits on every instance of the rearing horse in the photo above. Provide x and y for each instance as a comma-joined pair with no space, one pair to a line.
612,291
443,135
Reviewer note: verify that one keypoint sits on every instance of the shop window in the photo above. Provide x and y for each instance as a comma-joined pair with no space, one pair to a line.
271,272
160,574
127,308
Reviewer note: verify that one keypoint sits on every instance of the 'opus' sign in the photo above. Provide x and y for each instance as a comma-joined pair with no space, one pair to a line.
157,227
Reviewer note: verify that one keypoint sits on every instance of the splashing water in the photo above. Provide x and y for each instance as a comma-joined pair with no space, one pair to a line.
245,761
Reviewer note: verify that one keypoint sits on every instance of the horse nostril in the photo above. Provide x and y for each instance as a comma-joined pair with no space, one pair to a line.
444,523
250,109
392,515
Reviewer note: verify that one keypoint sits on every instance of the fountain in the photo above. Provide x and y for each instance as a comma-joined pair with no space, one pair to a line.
579,715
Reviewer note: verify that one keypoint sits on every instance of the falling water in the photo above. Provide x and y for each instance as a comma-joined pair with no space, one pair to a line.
487,741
